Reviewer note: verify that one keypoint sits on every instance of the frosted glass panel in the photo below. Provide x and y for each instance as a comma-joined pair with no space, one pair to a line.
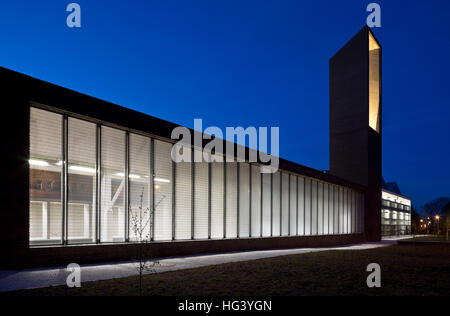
38,210
45,177
293,205
353,212
336,209
285,204
139,179
314,208
362,212
325,209
163,190
320,209
267,201
217,202
201,200
183,200
231,198
357,210
244,199
307,207
276,212
346,210
256,201
301,205
341,211
331,209
112,185
349,211
81,193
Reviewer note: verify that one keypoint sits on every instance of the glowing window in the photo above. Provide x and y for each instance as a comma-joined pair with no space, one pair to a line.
374,84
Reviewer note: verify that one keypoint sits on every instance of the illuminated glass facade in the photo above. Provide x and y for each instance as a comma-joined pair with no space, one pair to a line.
90,181
395,214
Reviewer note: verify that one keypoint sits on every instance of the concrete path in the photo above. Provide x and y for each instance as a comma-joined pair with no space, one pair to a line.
11,280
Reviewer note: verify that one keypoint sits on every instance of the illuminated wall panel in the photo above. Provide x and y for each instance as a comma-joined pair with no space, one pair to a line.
256,201
301,205
314,207
163,190
45,177
326,209
308,207
320,209
201,211
267,202
217,200
285,204
231,200
276,200
81,193
244,199
140,190
337,210
293,205
113,187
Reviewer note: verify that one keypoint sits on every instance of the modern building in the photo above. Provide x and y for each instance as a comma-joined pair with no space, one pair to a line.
81,169
395,214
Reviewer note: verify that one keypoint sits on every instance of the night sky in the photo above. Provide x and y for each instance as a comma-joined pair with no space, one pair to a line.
250,63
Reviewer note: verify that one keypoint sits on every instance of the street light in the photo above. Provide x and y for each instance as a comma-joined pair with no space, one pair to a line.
437,219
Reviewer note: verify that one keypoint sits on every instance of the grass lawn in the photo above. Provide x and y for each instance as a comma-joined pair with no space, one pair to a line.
405,270
429,238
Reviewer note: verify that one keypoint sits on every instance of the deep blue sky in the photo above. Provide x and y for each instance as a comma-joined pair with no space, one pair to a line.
258,63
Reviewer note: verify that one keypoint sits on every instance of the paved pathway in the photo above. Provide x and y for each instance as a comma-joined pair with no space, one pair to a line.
11,280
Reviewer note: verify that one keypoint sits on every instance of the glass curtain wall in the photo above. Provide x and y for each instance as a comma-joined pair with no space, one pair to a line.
117,181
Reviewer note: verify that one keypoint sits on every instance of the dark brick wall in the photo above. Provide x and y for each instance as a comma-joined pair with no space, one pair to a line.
14,201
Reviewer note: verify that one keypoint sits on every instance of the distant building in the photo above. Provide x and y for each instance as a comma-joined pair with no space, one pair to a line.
395,214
